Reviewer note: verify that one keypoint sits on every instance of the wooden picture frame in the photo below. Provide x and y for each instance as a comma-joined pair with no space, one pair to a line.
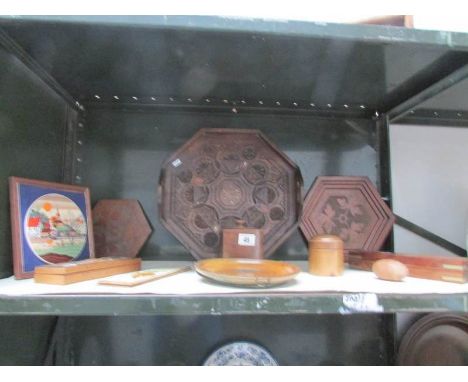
51,223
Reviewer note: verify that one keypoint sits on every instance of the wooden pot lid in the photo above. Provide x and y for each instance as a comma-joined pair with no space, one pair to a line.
120,228
348,207
438,339
221,176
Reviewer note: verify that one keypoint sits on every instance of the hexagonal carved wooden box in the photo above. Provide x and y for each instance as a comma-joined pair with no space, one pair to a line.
120,228
349,207
223,175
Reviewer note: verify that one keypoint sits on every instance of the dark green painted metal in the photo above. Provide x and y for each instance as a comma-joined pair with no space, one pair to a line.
32,133
329,65
72,145
189,340
370,33
447,108
451,100
444,117
382,126
432,237
11,46
437,87
283,304
384,185
431,120
24,340
123,153
237,106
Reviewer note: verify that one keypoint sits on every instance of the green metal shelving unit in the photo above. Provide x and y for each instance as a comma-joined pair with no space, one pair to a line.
278,304
113,88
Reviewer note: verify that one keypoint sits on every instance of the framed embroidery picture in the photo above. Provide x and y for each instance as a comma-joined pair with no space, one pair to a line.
51,223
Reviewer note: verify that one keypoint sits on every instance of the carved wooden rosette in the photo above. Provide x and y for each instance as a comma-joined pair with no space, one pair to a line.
348,207
120,228
222,175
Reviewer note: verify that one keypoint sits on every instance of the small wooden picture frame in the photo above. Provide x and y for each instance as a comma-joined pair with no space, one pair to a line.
51,223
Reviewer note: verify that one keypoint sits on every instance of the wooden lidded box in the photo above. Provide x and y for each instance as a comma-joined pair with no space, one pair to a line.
326,255
68,273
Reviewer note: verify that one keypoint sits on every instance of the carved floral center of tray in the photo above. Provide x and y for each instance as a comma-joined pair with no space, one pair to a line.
344,216
230,193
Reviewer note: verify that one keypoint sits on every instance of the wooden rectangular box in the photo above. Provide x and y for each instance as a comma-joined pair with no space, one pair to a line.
68,273
243,243
425,267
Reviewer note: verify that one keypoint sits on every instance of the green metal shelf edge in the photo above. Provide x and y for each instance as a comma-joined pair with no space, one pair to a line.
136,305
362,32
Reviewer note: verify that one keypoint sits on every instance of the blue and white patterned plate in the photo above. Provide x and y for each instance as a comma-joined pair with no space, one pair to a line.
240,354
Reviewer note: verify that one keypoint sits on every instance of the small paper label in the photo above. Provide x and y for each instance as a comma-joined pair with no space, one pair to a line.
360,302
246,239
177,162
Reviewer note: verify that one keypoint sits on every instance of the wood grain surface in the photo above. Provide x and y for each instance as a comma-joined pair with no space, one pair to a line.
348,207
420,266
221,176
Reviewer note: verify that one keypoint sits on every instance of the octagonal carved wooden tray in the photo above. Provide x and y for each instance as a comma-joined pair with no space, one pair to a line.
349,207
221,176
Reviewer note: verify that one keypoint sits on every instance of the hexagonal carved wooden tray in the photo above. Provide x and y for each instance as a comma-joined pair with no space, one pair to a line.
349,207
120,228
223,175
